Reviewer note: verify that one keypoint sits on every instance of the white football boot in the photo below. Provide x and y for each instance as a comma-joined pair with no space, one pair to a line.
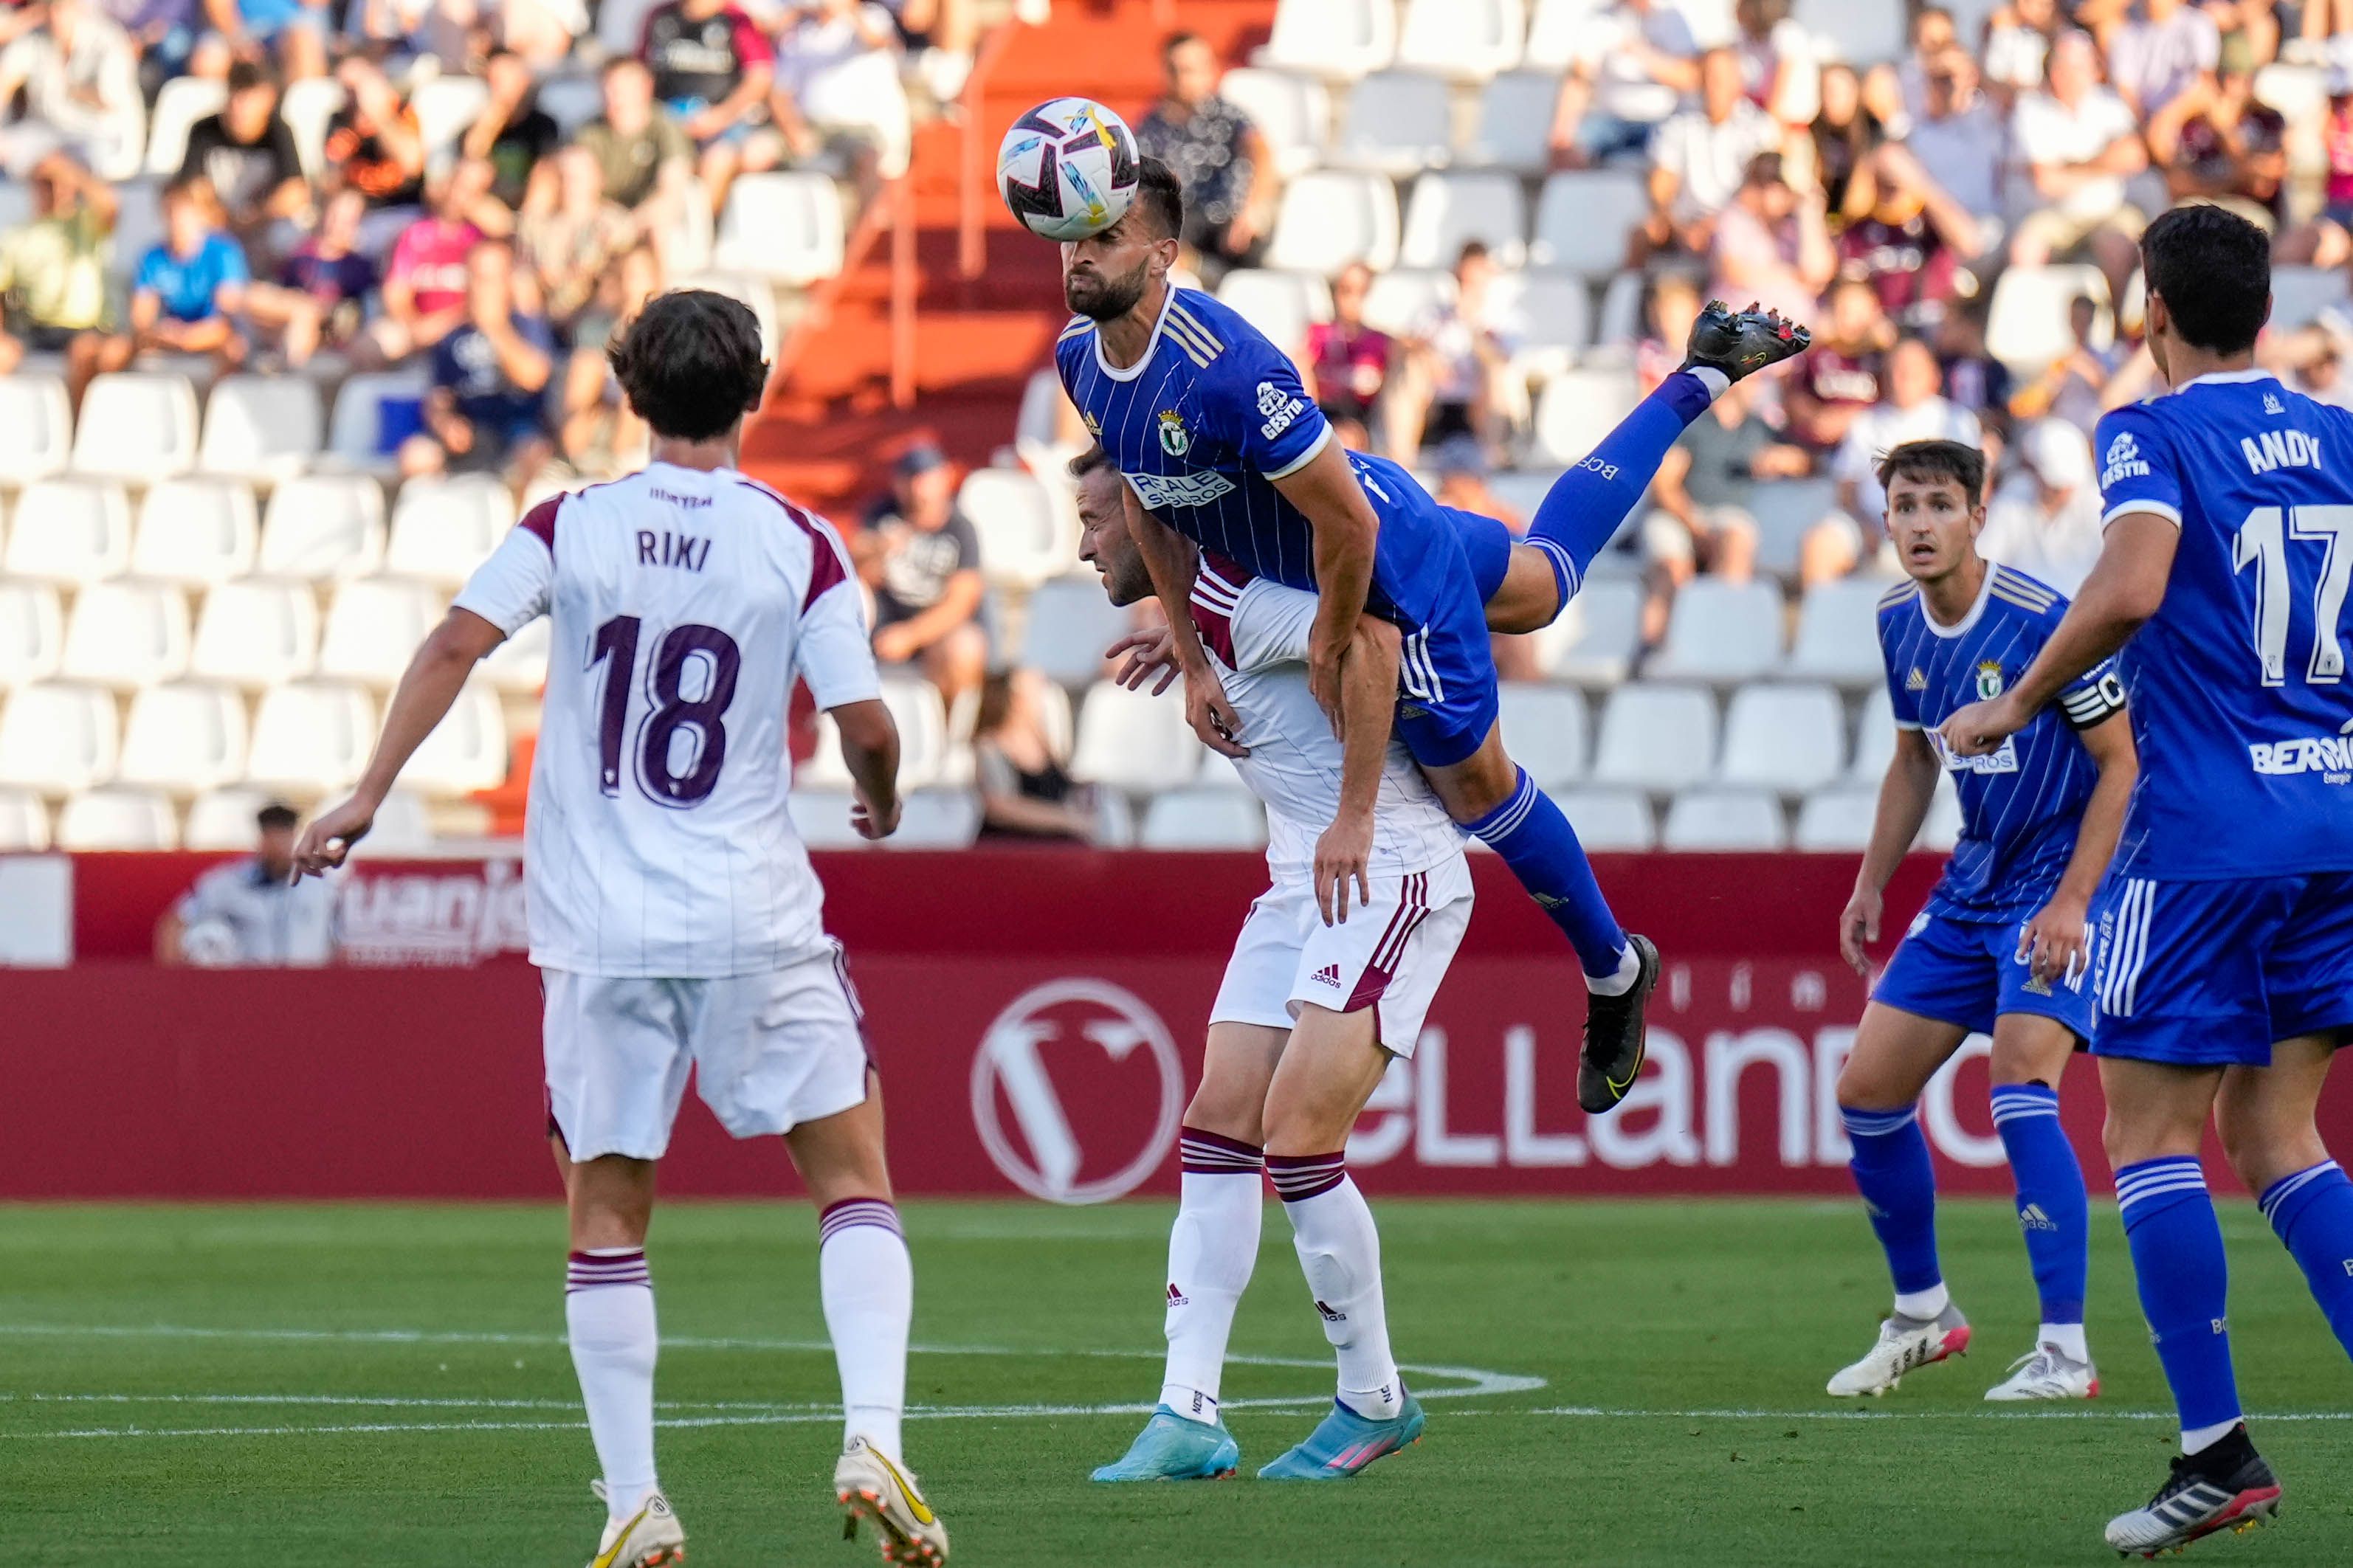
2046,1372
1905,1343
649,1537
870,1484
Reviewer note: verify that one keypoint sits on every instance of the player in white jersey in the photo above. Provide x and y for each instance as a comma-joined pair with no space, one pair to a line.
1329,981
673,913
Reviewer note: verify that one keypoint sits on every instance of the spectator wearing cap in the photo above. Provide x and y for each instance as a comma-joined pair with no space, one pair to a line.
712,69
53,291
646,162
486,412
513,134
1773,243
1452,364
2162,65
1348,361
189,290
1634,61
1913,407
1700,159
248,155
1221,158
319,292
921,556
294,30
1702,516
2044,520
2079,144
253,911
79,77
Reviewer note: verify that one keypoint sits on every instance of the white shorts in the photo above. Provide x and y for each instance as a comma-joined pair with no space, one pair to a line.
1389,956
769,1052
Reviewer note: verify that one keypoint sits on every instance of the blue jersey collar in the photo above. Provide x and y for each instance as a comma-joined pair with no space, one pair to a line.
1961,627
1151,344
2226,378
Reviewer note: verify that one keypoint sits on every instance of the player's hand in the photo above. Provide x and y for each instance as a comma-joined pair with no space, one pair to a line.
1147,651
1323,675
1341,856
2056,944
871,821
1212,717
1981,728
331,835
1858,925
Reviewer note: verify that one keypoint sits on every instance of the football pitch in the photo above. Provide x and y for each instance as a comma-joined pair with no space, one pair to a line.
1627,1382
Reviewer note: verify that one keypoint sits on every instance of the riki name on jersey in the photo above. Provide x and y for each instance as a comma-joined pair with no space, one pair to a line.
683,550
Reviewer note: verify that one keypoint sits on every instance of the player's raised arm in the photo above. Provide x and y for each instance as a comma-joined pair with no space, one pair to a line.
1327,492
2057,940
1905,797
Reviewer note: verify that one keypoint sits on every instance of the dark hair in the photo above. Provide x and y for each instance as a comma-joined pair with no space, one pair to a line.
691,364
2213,270
1472,251
1087,462
1160,197
1174,41
1932,462
244,75
276,817
995,703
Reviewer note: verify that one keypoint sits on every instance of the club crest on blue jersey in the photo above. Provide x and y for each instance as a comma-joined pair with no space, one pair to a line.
1989,680
1174,439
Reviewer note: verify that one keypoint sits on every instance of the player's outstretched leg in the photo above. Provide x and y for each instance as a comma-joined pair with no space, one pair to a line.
1898,1185
2030,1053
2266,1119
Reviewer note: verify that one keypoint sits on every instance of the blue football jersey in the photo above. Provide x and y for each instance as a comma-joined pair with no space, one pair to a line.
2021,805
1205,423
2241,703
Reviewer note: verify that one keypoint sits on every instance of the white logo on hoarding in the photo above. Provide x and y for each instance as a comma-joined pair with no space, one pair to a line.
1008,1057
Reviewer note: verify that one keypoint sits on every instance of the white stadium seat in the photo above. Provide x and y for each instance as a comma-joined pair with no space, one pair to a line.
184,737
1546,316
1516,122
442,528
1330,217
58,737
1399,122
1449,209
923,721
118,819
1470,40
1283,305
322,528
127,635
1023,541
1783,510
1721,631
1400,297
1543,729
1578,408
24,821
1595,641
1554,29
938,819
1838,633
1071,624
445,106
1331,37
783,227
1875,738
223,819
1724,819
467,751
306,106
1866,32
355,434
1609,820
1837,819
136,426
69,531
1134,740
195,532
2026,325
519,665
183,101
373,627
310,736
1618,325
1294,113
821,816
32,632
1202,820
1656,738
2300,293
403,826
255,632
261,428
36,427
1787,738
1583,219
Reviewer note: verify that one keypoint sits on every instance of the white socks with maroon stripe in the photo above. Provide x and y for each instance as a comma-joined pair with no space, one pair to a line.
1211,1248
868,1283
609,1315
1341,1252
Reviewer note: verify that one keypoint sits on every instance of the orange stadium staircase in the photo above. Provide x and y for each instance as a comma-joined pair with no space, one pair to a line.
946,306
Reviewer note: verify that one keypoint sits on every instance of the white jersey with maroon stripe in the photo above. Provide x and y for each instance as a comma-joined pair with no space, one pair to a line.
1256,630
685,602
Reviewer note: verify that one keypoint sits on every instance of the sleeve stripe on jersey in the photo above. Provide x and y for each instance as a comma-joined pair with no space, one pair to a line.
1177,327
2023,597
2024,586
2164,509
1303,458
826,568
1193,325
540,522
1075,327
1897,595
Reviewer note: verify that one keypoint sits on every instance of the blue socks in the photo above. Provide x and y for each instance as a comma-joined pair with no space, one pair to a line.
2312,1211
1899,1191
2052,1209
2176,1253
1536,842
1582,512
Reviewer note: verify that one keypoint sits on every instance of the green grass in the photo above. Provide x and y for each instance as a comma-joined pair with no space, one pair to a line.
1703,1330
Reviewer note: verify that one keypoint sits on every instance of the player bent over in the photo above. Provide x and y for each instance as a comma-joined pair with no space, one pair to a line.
2225,970
2001,946
1220,443
673,912
1329,980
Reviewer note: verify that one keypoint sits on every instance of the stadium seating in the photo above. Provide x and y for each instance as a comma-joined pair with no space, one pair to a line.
2027,326
1330,217
1838,633
223,819
467,751
136,426
937,819
1466,40
373,626
1333,38
195,532
1657,737
1544,729
1583,217
821,815
311,737
1071,624
306,106
322,528
184,737
1874,739
32,632
1280,304
1133,741
260,427
356,434
1836,819
1515,128
1609,820
1723,632
782,226
137,224
1578,408
441,528
1724,819
1868,32
1023,541
1398,121
1553,26
69,531
183,101
1545,316
445,106
24,821
256,632
1202,818
35,429
1447,209
118,819
1595,641
1783,737
58,737
126,634
1292,113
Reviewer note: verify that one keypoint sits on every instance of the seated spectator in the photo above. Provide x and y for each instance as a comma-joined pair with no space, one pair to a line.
1913,409
1974,379
425,277
248,155
374,147
567,247
646,161
79,78
513,132
1777,61
1635,60
838,91
599,434
2018,42
2234,154
1451,366
1700,158
2336,137
2071,388
2250,31
712,69
1844,135
189,289
1911,246
487,410
2162,66
2079,144
1348,361
1934,36
944,35
1839,377
1224,162
2044,520
254,911
1701,518
1772,244
1958,143
922,558
320,294
294,30
53,293
1025,789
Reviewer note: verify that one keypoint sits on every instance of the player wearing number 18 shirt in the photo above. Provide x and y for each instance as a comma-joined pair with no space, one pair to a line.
675,916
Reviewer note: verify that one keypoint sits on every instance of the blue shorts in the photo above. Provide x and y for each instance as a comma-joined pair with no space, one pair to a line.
2212,974
1487,544
684,109
1969,973
1447,701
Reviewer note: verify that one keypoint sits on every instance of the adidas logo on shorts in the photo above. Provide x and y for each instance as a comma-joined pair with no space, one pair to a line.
1331,1315
1329,975
1178,1298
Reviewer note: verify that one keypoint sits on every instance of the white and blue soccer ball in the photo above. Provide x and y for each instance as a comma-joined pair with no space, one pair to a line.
1067,169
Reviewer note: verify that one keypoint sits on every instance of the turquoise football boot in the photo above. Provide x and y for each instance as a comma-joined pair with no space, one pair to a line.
1344,1443
1172,1449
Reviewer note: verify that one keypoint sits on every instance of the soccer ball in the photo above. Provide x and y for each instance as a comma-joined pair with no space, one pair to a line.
1067,169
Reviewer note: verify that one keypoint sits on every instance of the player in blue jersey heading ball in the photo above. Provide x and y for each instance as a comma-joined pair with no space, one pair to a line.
1224,451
